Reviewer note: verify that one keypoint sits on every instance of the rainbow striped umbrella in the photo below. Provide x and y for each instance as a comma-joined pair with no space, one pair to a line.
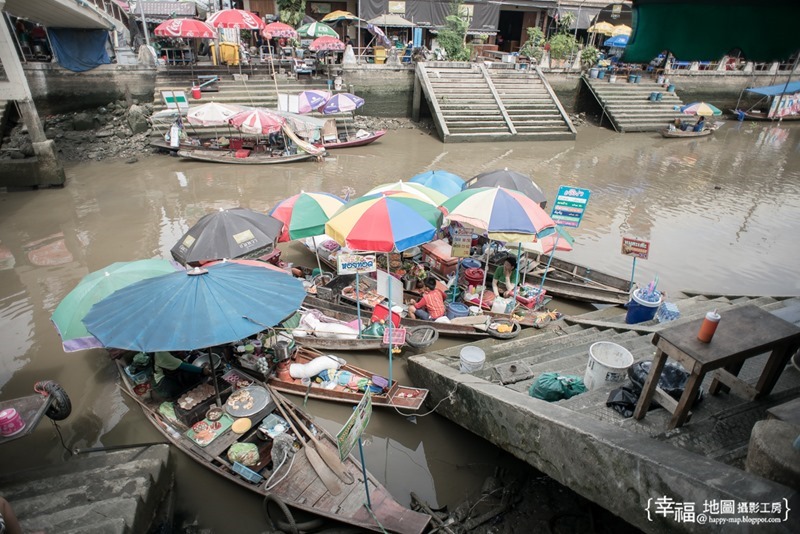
446,183
701,108
418,191
305,214
384,223
504,214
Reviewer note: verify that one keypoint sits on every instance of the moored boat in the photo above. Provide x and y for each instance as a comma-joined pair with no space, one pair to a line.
352,141
404,397
235,157
681,134
304,478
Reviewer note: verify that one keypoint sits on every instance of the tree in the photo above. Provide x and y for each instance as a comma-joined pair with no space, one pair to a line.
533,47
452,36
292,11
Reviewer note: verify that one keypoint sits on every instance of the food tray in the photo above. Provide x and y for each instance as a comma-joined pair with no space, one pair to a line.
195,396
215,429
247,401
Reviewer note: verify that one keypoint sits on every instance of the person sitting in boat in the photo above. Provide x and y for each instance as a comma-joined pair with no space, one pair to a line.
431,306
701,124
678,124
505,277
172,376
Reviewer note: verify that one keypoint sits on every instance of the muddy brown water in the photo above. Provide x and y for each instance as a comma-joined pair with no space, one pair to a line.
722,214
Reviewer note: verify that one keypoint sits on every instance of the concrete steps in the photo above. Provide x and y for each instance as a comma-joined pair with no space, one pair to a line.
473,103
3,118
112,492
628,107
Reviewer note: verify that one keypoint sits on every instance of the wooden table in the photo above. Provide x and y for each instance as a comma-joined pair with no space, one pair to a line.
742,334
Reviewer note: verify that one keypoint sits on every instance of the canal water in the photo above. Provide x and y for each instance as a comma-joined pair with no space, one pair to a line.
721,213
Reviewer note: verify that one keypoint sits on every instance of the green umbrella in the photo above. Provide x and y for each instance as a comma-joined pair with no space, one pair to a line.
316,29
94,287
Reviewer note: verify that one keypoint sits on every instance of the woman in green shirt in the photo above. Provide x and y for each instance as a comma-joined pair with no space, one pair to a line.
505,278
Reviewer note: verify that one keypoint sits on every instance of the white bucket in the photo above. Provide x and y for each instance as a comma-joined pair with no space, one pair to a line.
472,359
474,310
608,362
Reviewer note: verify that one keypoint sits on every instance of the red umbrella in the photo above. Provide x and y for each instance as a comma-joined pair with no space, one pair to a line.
326,42
279,30
237,19
257,121
185,28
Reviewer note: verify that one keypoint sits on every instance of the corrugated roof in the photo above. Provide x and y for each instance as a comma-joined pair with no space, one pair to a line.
777,89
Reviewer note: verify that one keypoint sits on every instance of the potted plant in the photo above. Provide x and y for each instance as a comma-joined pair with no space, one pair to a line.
589,57
561,46
533,47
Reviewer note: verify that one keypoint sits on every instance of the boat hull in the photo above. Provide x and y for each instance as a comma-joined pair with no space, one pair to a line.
219,156
680,134
374,136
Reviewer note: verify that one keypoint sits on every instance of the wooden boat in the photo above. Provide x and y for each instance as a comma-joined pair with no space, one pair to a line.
352,141
577,282
304,482
219,156
404,397
681,134
452,329
762,116
779,100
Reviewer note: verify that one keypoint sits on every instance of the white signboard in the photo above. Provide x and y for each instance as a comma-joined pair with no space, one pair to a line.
384,280
355,263
348,436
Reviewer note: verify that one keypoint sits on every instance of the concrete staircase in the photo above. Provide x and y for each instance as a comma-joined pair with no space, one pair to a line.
628,107
471,102
256,91
3,118
120,492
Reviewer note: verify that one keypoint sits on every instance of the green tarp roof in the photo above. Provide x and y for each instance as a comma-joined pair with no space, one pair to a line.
702,30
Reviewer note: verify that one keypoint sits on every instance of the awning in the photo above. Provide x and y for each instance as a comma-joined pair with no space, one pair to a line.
432,13
702,30
160,11
777,89
391,21
583,16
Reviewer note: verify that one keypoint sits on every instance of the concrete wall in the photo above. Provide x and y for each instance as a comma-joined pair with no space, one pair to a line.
58,90
613,467
388,90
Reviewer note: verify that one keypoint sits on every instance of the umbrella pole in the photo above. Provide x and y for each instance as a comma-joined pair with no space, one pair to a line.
485,274
214,377
516,278
358,304
319,265
391,349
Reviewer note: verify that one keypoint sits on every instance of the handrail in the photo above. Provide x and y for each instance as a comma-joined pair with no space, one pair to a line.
427,88
497,98
555,99
599,101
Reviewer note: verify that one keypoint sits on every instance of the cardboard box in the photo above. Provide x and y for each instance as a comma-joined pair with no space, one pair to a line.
438,255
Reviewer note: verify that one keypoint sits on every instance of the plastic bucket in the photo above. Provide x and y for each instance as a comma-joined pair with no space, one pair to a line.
472,359
653,96
601,74
631,78
608,363
470,263
475,310
196,92
640,310
474,276
670,88
660,80
593,72
612,78
456,309
659,96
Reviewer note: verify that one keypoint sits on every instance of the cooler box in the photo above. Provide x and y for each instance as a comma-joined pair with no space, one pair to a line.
242,153
235,143
438,255
531,296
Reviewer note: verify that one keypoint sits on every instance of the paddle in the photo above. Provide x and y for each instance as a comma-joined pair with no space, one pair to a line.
331,458
324,474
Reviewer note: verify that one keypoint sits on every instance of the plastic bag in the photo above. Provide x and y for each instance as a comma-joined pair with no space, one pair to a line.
623,399
554,386
244,453
672,381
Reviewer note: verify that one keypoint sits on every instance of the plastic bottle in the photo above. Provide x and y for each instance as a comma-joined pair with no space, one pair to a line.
708,327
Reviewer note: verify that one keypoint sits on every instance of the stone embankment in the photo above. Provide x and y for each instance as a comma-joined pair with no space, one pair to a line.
119,131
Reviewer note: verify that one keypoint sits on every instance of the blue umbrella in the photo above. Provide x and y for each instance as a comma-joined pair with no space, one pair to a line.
446,183
620,41
194,309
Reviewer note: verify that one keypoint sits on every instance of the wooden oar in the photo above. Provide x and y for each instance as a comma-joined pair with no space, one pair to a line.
331,458
323,472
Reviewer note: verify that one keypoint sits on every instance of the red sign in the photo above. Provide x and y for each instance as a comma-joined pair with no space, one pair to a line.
635,247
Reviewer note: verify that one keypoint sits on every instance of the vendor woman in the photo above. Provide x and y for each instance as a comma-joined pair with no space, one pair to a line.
505,278
172,376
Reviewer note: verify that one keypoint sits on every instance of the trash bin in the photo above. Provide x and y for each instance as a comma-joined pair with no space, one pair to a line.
380,54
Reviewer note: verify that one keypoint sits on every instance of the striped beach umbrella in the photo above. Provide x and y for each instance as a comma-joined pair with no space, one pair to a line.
237,19
257,122
188,28
326,42
305,214
278,30
446,183
384,223
504,214
419,191
308,101
701,108
341,102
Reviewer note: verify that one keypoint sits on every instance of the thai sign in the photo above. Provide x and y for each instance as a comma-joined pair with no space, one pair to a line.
462,242
348,436
637,248
355,263
570,205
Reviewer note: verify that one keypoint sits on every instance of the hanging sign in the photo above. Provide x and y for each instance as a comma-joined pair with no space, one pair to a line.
570,205
350,433
637,248
355,263
462,242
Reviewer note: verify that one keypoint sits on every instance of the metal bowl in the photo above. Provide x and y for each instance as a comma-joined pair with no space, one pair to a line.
214,413
203,359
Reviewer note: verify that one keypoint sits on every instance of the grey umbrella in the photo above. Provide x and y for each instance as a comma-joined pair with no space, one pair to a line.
510,180
227,233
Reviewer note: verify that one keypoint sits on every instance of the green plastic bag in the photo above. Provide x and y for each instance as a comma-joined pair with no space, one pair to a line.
554,386
376,329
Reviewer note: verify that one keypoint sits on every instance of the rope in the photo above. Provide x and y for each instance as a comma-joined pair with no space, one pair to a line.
60,437
267,486
375,518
